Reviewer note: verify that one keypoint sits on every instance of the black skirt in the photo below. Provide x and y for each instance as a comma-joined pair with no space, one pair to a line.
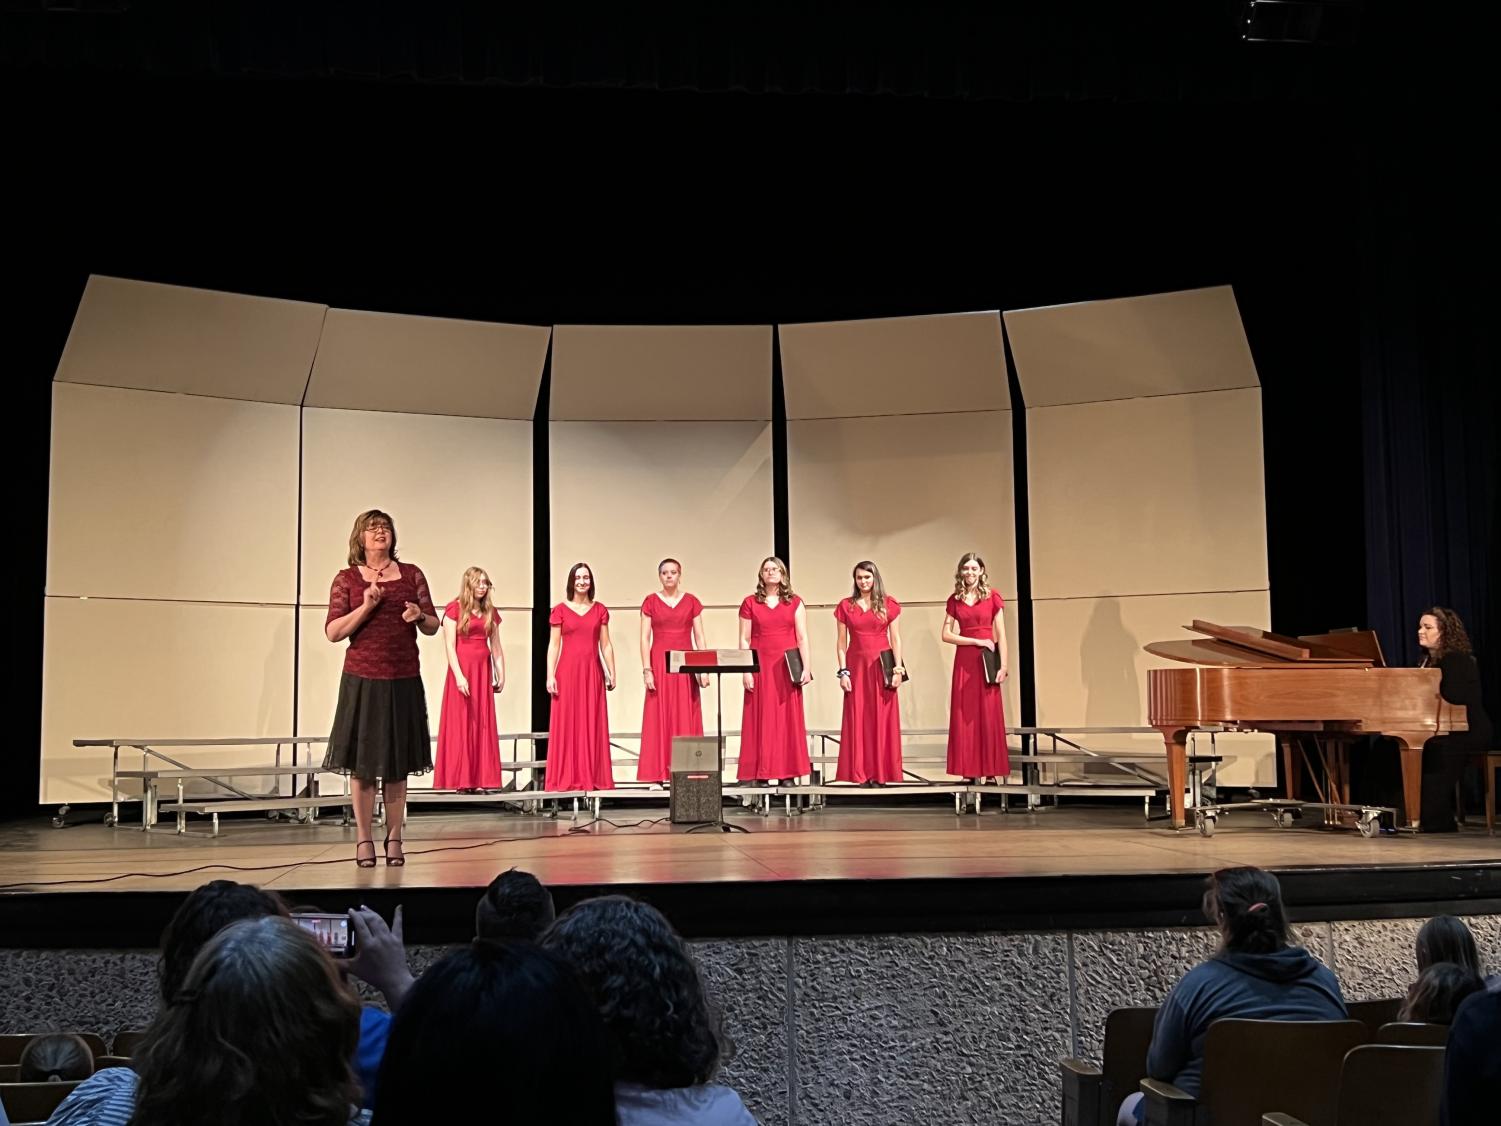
380,730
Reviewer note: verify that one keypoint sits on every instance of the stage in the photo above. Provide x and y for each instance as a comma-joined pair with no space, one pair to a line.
843,869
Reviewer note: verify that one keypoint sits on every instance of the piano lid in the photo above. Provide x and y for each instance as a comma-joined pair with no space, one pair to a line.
1250,647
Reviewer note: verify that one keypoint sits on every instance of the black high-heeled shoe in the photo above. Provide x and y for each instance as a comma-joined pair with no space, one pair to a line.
393,861
360,861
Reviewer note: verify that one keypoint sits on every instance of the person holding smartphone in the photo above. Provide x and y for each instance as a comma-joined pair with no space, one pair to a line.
773,735
870,732
379,604
974,625
580,670
468,738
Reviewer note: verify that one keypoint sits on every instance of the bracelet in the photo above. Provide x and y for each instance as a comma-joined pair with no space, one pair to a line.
901,669
841,672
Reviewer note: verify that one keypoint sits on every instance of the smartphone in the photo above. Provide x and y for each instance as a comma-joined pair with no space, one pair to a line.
332,931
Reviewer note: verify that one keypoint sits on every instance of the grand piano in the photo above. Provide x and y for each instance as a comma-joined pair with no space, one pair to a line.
1332,687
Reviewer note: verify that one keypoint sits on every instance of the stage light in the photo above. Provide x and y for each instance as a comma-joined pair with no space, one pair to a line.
1323,22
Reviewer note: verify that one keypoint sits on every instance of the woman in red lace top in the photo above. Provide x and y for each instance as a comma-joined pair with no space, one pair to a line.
378,604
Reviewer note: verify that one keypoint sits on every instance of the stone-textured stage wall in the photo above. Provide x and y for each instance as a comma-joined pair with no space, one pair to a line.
873,1030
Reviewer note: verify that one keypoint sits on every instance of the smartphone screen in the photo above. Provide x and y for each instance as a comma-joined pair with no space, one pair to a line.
333,931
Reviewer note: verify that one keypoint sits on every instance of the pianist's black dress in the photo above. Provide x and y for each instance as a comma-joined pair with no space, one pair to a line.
1444,755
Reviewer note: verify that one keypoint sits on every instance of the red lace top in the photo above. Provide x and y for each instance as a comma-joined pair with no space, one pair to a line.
384,647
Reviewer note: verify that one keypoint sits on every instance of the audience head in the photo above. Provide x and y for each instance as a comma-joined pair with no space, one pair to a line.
647,987
61,1057
506,1013
203,914
1435,996
1445,938
1246,905
515,905
262,1031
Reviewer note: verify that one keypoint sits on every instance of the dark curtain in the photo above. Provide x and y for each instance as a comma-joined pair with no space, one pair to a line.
1430,400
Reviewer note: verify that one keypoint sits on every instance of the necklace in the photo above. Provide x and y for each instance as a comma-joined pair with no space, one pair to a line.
379,571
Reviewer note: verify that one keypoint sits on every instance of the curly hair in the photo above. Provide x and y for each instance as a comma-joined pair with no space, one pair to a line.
514,906
1452,637
784,588
262,1030
207,910
982,587
647,987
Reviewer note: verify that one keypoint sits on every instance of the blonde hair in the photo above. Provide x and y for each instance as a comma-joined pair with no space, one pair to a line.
982,587
357,536
784,588
470,606
877,587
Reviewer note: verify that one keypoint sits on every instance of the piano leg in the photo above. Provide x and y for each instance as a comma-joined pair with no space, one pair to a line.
1176,742
1411,748
1291,772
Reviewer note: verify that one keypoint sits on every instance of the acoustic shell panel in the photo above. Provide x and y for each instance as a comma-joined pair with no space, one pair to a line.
897,365
428,365
160,670
627,494
652,373
155,337
171,497
459,490
1162,344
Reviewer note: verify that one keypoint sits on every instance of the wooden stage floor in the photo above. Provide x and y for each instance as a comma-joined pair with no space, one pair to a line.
464,850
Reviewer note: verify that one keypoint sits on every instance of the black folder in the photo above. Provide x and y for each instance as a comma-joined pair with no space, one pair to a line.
992,661
794,659
888,663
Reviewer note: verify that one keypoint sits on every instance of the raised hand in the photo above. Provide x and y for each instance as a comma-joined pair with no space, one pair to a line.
373,595
412,613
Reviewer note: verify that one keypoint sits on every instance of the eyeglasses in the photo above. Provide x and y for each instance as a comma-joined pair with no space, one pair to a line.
377,527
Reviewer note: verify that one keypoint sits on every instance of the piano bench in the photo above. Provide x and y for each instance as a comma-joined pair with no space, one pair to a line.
1489,762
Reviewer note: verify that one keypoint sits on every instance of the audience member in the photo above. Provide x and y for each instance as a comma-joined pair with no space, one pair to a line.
261,1031
1445,938
514,906
206,911
501,1014
665,1042
1438,992
1257,974
59,1057
1472,1063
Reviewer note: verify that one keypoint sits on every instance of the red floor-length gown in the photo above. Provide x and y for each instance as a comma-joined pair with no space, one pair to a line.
578,736
674,707
773,736
468,739
870,734
977,723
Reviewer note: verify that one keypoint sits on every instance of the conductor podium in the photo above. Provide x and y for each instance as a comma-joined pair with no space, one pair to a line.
698,760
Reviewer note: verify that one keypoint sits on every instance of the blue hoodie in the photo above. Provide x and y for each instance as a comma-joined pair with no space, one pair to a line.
1288,984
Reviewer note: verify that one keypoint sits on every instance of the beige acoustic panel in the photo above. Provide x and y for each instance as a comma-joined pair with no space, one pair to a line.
897,365
1092,670
721,631
427,365
1147,496
1163,344
191,341
459,489
320,664
171,496
158,670
625,495
911,493
661,373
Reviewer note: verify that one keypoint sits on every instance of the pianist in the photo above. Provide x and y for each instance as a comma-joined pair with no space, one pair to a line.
1446,647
